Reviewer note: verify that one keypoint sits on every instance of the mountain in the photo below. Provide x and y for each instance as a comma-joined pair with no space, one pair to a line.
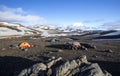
59,30
110,33
75,27
10,29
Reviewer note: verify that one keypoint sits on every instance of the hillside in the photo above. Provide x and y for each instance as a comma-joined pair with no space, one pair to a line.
9,29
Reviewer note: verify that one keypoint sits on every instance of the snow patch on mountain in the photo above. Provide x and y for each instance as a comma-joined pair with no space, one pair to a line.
75,27
10,29
7,32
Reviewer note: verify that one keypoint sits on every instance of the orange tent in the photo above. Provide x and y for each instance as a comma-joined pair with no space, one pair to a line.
25,45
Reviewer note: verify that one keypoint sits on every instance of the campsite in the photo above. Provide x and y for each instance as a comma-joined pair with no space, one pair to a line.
59,38
13,60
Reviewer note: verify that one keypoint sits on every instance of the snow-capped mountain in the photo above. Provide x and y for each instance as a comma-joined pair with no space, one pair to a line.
46,30
10,29
75,27
53,30
45,27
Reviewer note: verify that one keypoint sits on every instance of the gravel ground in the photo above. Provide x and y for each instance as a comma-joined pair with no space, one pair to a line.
13,60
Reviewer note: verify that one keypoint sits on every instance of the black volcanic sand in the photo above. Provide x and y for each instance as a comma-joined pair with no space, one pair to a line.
13,60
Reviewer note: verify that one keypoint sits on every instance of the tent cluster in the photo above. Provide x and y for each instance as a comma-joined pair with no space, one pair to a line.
69,45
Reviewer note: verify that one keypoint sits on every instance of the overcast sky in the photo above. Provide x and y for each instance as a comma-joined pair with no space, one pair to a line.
90,13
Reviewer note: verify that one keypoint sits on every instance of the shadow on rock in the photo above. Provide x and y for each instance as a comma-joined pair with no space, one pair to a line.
111,67
10,66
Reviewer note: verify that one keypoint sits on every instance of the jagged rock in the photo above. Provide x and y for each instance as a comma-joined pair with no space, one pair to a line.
39,66
33,74
73,64
49,72
24,73
58,59
78,62
39,69
67,69
51,63
91,70
74,72
83,59
106,73
76,67
35,70
63,69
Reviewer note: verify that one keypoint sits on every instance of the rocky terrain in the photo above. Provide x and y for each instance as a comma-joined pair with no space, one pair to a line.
106,56
57,67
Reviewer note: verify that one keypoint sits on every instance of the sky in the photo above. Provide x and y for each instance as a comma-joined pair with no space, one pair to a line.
93,14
